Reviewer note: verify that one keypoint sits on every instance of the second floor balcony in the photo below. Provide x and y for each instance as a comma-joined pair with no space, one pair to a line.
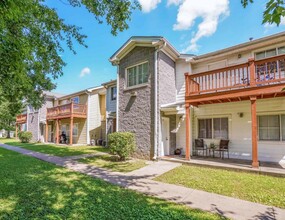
264,78
67,111
21,119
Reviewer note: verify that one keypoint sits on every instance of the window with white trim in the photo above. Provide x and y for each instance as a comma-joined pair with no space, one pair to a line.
75,100
271,127
270,53
113,93
213,128
137,75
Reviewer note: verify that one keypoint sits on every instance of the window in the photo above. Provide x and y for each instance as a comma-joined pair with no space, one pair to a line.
113,93
65,129
271,127
270,53
281,50
75,100
205,128
137,75
75,130
217,128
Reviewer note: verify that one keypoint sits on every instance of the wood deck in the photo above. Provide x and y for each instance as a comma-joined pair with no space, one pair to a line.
21,119
70,110
263,78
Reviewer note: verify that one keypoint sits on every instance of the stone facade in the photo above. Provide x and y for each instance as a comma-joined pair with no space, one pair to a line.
136,112
166,94
33,125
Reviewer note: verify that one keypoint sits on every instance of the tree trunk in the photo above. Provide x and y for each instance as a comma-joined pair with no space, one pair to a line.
8,134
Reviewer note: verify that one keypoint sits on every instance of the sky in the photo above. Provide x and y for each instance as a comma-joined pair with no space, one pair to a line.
191,26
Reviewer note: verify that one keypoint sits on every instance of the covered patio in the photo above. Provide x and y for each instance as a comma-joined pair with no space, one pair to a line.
268,168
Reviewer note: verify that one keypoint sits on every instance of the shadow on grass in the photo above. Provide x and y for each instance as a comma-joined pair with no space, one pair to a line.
57,150
30,188
112,162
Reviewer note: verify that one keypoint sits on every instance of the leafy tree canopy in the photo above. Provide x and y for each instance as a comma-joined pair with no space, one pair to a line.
274,11
32,35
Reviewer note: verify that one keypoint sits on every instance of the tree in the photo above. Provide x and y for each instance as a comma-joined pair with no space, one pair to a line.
8,111
274,11
32,35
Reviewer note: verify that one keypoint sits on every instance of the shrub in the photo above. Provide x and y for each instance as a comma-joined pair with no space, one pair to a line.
122,144
25,136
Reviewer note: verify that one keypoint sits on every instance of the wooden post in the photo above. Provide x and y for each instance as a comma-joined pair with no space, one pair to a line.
186,84
188,128
16,131
46,138
255,162
71,131
57,132
252,79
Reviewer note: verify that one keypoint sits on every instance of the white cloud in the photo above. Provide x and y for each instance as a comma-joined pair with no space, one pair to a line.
85,71
210,11
149,5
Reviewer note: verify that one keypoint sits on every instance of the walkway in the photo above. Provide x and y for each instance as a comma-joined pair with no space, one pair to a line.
140,181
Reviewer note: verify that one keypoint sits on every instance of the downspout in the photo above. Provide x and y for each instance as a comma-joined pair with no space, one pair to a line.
117,100
88,115
155,101
39,132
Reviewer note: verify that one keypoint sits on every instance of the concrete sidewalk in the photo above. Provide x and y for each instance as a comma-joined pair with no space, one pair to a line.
140,181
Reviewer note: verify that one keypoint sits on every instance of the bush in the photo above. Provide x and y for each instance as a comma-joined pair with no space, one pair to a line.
122,144
25,136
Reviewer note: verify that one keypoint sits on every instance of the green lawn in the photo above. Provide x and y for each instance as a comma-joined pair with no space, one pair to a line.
55,150
110,162
263,189
34,189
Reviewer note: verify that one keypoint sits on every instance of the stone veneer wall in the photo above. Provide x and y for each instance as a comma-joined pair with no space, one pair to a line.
166,94
33,125
136,112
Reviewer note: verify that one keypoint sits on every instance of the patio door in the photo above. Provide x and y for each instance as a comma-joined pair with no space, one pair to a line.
165,136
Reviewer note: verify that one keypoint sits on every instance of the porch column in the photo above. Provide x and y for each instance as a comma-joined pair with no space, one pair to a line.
46,134
57,131
255,162
16,132
187,124
71,131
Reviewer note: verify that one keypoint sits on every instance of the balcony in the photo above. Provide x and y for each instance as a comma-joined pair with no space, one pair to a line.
21,119
67,111
263,78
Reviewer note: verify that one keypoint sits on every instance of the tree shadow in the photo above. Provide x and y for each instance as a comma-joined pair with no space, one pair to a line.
33,189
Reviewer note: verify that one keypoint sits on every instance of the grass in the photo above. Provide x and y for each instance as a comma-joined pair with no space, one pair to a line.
34,189
262,189
55,150
110,162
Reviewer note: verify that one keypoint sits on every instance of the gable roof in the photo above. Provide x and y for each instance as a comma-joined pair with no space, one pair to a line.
239,48
145,41
89,90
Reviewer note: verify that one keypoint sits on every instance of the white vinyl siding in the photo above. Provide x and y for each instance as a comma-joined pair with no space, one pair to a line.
137,75
240,128
111,104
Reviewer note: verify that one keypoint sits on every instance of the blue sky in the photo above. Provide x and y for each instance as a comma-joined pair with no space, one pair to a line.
191,26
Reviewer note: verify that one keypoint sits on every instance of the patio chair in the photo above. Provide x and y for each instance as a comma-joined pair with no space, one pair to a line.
223,147
200,146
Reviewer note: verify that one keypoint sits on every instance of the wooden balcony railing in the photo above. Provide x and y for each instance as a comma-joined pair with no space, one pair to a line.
67,110
251,74
21,119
